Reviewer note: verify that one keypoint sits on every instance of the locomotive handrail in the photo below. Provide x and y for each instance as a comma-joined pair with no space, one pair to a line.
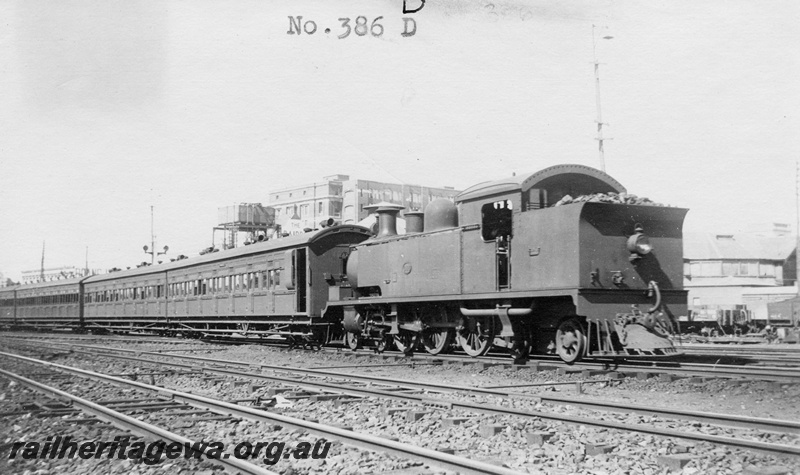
477,312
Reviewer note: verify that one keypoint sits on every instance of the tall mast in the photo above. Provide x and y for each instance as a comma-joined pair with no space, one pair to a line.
600,139
152,248
41,269
152,238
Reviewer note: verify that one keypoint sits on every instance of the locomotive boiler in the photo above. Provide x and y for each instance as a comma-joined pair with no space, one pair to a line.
560,261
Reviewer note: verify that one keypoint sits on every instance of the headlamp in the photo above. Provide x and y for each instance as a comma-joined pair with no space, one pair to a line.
639,244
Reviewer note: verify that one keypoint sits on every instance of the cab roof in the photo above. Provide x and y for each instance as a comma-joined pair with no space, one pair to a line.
578,177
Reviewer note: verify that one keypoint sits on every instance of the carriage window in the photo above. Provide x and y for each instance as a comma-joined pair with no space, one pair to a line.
496,220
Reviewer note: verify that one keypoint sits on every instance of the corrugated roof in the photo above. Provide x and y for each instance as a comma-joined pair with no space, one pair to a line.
710,246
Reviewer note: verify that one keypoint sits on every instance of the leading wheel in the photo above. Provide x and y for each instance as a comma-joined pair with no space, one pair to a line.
437,340
353,340
383,344
406,341
477,335
570,341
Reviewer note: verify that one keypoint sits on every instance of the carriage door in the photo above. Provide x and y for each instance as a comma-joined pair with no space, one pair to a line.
296,259
496,227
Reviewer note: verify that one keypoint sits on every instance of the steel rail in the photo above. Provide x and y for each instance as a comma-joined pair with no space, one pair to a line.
773,425
134,425
441,459
631,365
762,347
776,425
321,371
776,373
122,338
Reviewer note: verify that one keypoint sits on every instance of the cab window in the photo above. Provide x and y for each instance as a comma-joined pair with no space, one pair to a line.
496,220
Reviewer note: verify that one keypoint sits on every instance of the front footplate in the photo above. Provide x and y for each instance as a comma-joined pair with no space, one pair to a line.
646,334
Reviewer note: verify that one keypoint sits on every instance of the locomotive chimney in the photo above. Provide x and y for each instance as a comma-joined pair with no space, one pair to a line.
414,221
387,219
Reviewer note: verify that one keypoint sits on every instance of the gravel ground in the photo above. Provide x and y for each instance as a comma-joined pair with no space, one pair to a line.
570,449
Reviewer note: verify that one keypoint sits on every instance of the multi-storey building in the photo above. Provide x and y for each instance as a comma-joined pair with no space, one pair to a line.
344,200
55,273
728,272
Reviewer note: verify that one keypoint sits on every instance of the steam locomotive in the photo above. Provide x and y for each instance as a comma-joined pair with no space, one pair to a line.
560,261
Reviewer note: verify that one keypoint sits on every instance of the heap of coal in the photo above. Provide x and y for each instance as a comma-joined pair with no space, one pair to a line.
617,198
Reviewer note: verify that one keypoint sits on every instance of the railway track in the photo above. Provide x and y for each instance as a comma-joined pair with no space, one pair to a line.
632,367
635,368
748,355
432,457
323,382
734,363
786,367
105,411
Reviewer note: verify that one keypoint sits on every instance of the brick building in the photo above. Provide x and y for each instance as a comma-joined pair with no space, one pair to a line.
343,199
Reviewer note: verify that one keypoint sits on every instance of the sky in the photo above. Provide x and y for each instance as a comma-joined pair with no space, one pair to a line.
109,107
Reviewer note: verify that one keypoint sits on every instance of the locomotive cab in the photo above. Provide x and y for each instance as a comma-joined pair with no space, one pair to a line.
603,267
